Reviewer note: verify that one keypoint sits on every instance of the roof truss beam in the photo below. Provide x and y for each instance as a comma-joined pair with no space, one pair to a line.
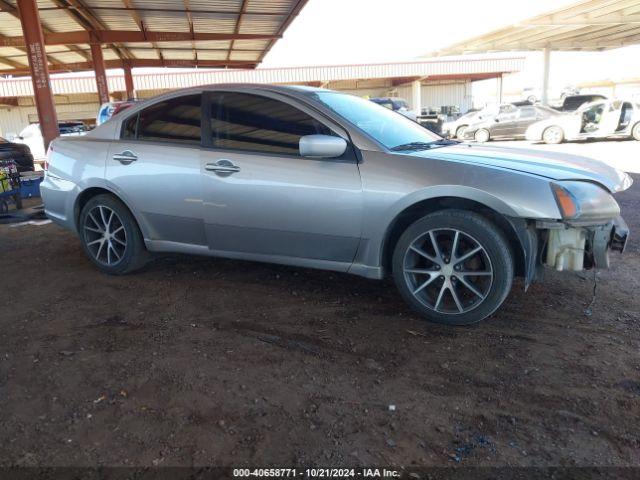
132,36
137,63
585,21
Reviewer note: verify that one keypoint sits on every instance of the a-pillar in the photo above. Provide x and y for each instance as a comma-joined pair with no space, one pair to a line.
34,39
101,74
128,82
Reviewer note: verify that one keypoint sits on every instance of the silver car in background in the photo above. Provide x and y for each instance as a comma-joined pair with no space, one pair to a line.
315,178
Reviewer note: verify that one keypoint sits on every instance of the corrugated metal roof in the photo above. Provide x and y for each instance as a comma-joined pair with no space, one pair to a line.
589,25
240,21
434,69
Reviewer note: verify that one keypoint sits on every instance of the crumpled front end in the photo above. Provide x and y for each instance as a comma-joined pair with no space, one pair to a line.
578,248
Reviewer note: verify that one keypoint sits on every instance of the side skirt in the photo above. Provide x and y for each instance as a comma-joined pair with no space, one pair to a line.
203,250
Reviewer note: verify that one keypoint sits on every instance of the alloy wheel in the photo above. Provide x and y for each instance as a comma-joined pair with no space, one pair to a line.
553,135
481,136
105,235
448,271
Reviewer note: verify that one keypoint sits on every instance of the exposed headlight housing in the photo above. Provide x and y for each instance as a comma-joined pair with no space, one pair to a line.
579,200
567,203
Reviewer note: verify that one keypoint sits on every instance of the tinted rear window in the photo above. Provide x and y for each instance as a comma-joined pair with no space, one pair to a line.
173,120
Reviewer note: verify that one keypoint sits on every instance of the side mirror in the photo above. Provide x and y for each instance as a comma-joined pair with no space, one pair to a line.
322,146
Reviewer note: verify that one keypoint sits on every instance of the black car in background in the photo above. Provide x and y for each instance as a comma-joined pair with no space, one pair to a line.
17,152
571,103
511,121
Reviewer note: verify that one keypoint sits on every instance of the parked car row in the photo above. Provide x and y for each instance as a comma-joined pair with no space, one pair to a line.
32,135
579,117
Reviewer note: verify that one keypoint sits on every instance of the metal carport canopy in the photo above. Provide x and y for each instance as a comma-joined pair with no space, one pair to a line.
147,33
591,25
42,36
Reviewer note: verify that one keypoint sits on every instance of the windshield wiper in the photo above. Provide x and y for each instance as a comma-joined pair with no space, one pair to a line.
423,145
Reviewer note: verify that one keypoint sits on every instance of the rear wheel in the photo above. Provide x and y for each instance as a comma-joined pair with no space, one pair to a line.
553,135
636,131
453,267
110,236
482,135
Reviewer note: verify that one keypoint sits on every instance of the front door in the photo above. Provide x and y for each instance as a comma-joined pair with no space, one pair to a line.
155,166
262,199
504,122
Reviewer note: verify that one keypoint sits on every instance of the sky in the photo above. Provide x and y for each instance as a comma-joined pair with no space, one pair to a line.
333,32
328,32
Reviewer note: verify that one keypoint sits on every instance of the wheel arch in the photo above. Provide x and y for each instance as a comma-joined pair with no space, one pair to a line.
460,127
90,192
512,231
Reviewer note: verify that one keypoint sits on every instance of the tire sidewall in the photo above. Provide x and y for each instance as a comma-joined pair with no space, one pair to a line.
135,245
635,131
489,236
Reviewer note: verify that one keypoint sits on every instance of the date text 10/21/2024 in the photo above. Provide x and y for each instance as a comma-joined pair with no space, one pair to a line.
315,473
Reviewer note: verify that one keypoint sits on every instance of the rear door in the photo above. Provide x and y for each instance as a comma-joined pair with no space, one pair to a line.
262,199
155,167
525,117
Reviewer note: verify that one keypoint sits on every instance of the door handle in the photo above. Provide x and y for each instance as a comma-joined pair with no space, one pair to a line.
222,167
125,157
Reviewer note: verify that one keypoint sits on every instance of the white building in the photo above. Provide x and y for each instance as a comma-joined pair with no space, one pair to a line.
425,84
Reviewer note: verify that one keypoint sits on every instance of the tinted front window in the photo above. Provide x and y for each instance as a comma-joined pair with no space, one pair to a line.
241,121
172,120
385,126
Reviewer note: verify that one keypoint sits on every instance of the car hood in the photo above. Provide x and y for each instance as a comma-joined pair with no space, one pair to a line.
552,165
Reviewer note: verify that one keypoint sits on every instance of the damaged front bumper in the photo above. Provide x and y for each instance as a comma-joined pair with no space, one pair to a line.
575,247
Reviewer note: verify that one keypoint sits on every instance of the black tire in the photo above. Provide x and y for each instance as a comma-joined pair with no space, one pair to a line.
635,131
487,235
482,135
553,135
134,254
460,131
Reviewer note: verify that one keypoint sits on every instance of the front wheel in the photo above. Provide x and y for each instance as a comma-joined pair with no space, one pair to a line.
553,135
460,131
482,135
636,131
110,236
453,267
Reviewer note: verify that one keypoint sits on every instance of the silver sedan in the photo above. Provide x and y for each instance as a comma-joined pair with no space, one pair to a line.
316,178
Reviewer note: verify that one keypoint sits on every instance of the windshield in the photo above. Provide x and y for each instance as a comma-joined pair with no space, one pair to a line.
388,128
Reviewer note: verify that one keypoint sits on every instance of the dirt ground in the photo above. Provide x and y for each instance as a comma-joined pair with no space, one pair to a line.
198,361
